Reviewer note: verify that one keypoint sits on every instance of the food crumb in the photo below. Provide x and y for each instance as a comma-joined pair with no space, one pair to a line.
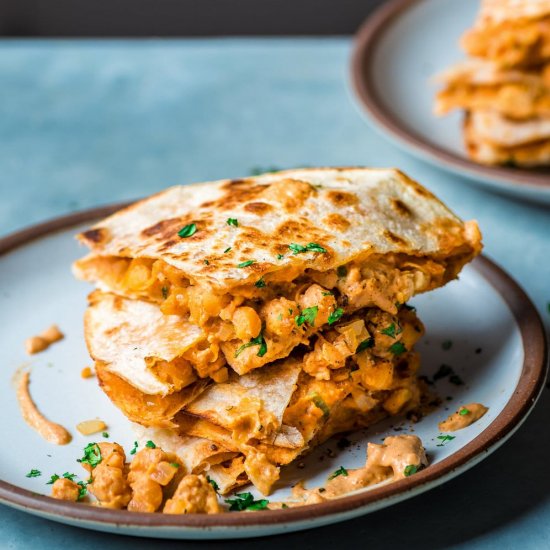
86,372
44,340
89,427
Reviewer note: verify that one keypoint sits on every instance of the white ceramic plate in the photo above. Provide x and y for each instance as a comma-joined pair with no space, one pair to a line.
484,311
397,52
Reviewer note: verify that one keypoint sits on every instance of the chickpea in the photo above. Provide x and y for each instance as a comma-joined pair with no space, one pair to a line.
318,296
65,489
247,323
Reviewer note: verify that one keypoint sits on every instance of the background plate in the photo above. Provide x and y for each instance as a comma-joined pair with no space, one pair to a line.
397,52
498,349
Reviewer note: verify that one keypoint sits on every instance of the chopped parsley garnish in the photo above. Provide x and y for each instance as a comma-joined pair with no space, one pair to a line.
284,506
206,262
308,316
335,315
174,465
342,271
34,473
92,455
340,472
245,501
320,404
82,491
134,448
150,445
233,221
164,291
398,348
447,345
365,344
247,263
280,317
187,231
105,435
410,470
213,483
258,341
227,250
69,476
53,479
310,247
280,256
260,283
328,293
464,411
444,439
390,331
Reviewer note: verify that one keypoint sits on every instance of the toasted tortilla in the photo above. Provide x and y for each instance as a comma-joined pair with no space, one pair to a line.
484,151
352,213
490,126
480,85
128,336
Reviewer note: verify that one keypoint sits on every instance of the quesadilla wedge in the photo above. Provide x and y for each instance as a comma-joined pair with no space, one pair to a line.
263,264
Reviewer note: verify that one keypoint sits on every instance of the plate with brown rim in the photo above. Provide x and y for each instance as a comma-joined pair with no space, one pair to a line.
397,52
497,349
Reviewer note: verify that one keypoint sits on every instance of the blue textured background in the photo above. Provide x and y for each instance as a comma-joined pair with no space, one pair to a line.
84,123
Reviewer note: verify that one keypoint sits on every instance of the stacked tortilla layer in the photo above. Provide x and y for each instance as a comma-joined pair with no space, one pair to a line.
505,87
242,322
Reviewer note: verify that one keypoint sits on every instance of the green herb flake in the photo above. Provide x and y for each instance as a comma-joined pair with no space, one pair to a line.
174,465
105,435
410,470
134,448
150,445
389,331
365,344
447,345
340,472
69,476
284,506
92,455
34,473
83,491
398,348
246,264
187,231
213,483
233,221
53,479
310,247
164,291
227,250
444,439
328,293
280,256
280,317
260,283
341,271
206,262
464,411
335,315
308,316
245,501
320,404
258,341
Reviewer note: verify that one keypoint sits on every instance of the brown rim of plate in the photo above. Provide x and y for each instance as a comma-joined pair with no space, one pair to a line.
365,44
527,391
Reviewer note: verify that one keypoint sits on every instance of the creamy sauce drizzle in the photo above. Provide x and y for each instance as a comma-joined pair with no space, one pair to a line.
388,461
50,431
464,417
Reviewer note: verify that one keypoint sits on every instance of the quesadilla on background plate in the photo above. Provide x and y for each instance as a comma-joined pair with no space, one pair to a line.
266,314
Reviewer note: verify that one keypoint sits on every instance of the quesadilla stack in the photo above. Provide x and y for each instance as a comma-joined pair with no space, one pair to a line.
242,322
504,88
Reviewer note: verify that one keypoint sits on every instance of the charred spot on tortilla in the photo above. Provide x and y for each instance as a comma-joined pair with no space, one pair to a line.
342,198
258,207
97,235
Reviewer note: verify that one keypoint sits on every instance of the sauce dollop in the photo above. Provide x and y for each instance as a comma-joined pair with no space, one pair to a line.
50,431
464,417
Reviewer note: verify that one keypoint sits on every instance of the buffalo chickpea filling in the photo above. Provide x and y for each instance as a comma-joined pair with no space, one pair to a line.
261,322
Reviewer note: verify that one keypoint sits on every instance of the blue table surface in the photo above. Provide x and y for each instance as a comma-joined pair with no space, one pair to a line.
84,123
